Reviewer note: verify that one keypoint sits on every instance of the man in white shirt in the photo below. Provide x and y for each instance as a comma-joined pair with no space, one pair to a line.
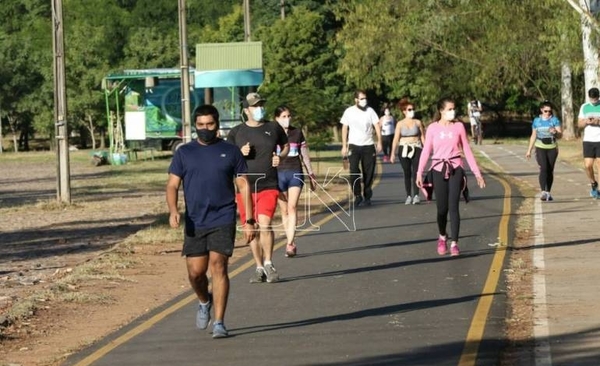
589,120
358,123
474,110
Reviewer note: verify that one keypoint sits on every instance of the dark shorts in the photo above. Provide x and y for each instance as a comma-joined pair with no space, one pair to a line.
265,203
289,178
591,149
219,239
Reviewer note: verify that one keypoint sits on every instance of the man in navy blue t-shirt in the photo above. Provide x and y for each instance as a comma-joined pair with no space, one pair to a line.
208,168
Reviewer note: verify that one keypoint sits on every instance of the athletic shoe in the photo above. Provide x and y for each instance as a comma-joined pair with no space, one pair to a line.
544,196
442,248
272,275
594,192
549,197
454,251
290,250
367,202
358,200
258,276
219,330
203,314
416,200
408,200
386,159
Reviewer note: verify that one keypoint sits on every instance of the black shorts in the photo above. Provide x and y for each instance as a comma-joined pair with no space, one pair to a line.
219,239
591,149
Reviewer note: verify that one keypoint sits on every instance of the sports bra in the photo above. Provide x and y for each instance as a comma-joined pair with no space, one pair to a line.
410,132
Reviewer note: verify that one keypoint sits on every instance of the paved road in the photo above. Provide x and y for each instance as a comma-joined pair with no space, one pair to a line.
379,295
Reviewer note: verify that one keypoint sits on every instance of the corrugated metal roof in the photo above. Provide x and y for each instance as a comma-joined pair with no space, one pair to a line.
229,56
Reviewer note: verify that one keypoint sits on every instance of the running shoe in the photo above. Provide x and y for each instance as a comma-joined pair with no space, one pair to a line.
386,159
549,197
203,314
442,248
454,251
271,273
219,330
408,200
258,276
290,250
416,200
358,200
594,191
544,196
367,202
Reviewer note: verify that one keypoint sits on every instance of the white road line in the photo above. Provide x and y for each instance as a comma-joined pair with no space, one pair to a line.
541,330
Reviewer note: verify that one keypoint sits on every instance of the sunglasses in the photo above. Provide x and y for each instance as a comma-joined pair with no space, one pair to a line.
547,111
409,109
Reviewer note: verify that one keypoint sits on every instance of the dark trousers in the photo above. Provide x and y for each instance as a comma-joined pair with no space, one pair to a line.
362,159
546,159
410,167
447,195
386,144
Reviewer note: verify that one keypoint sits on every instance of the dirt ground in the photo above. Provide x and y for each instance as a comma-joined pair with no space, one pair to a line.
42,244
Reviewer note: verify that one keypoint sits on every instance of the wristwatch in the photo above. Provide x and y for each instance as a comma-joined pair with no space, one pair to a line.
251,222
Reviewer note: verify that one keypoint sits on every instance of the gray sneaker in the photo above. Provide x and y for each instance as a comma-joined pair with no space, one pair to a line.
259,276
416,200
219,330
272,275
408,200
203,314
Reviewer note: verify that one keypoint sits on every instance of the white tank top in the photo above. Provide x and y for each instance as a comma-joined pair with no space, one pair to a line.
387,125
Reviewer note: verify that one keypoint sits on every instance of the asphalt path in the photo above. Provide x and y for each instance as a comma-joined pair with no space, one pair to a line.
376,295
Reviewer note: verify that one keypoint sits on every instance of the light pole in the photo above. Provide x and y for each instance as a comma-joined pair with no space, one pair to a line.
185,74
63,191
247,21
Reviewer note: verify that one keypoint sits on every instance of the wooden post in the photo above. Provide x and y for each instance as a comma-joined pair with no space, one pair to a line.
247,36
60,105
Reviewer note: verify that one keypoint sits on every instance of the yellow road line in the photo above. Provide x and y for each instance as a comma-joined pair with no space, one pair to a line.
101,352
475,333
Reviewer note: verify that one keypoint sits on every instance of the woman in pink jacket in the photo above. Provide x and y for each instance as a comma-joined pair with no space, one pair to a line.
447,139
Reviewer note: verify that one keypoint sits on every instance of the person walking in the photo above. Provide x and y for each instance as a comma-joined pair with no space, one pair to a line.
291,179
208,167
589,121
387,124
410,135
545,130
358,124
446,140
258,141
474,109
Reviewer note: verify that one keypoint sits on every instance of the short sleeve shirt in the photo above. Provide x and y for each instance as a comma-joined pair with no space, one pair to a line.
360,125
542,130
293,162
591,133
263,140
208,173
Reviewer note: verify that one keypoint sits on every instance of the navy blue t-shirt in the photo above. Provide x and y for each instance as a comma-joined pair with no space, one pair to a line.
208,173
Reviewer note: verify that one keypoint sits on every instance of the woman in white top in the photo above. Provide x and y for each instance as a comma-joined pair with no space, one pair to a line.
387,122
411,138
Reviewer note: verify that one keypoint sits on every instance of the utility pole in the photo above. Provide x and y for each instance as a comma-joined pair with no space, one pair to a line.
185,74
247,36
282,5
1,137
63,191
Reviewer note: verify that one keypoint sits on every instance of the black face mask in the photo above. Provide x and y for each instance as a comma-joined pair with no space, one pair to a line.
207,136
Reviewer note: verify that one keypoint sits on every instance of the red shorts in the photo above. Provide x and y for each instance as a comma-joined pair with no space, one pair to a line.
264,202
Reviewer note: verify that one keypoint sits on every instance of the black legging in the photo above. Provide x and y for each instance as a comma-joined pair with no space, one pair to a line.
546,159
366,157
386,144
410,167
447,195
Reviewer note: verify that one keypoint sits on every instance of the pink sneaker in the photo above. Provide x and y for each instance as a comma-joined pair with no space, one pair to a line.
454,251
290,250
442,247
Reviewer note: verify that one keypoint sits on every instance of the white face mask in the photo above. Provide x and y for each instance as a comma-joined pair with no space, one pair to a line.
449,115
362,103
410,114
284,122
386,112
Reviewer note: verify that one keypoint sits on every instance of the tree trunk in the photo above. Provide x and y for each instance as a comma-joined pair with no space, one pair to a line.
91,129
569,131
12,124
336,133
590,51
